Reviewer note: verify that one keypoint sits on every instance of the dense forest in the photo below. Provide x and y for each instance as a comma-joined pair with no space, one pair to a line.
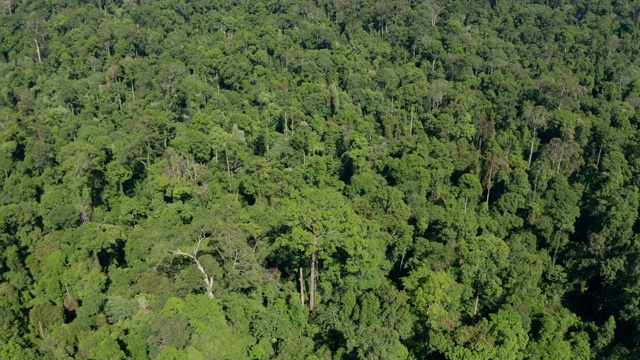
328,179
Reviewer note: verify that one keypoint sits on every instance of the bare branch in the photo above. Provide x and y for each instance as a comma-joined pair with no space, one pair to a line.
180,252
220,253
208,280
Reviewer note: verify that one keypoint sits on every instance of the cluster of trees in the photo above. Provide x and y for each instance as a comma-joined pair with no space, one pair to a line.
327,179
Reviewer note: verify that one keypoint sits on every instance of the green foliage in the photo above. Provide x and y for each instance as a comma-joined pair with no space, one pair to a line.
118,309
346,180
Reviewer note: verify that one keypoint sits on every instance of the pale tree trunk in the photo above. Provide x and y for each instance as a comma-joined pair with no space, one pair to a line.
9,4
558,168
37,31
411,122
228,167
285,122
38,50
489,183
555,250
508,150
291,122
312,287
208,280
475,307
301,288
531,149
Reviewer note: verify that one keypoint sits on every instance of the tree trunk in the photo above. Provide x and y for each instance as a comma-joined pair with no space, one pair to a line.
555,250
599,155
312,287
38,50
411,122
489,184
531,149
285,122
209,284
301,288
475,307
226,155
208,280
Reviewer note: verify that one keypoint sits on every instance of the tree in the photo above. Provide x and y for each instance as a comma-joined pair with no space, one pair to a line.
537,117
208,279
437,91
495,162
322,223
483,264
35,25
433,294
470,189
434,180
560,211
434,9
560,88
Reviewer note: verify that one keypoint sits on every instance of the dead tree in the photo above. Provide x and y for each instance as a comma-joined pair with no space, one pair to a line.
208,280
537,116
35,26
9,5
434,10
